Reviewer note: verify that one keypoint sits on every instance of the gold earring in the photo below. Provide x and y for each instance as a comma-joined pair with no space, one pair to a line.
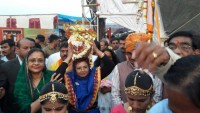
130,108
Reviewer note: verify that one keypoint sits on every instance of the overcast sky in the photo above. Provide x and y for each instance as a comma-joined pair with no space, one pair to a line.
19,7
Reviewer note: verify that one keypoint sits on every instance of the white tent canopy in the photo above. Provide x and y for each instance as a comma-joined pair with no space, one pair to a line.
126,15
122,14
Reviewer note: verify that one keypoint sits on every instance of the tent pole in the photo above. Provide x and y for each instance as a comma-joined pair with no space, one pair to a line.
83,12
97,27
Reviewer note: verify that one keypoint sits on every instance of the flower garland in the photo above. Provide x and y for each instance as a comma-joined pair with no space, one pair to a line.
80,40
145,14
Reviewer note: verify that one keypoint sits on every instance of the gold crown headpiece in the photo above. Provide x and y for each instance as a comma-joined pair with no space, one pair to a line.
80,40
53,96
135,90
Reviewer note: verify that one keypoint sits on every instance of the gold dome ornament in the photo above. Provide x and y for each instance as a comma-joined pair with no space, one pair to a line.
80,41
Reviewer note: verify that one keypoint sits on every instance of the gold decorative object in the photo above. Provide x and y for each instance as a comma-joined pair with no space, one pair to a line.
80,40
52,96
154,55
135,90
130,108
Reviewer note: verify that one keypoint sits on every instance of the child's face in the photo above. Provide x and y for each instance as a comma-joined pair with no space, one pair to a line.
56,107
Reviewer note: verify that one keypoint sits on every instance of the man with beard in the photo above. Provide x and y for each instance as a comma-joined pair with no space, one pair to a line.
63,56
114,43
120,52
8,50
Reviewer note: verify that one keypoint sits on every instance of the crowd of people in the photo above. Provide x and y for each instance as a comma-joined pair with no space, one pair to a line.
82,75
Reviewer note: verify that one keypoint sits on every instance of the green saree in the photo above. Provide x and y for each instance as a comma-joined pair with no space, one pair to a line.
23,90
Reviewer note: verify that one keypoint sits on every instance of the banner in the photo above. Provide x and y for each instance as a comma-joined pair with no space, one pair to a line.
11,33
32,33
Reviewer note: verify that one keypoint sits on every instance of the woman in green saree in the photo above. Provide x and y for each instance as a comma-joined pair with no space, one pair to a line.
32,76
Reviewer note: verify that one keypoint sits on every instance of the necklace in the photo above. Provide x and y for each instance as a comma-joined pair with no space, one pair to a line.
35,87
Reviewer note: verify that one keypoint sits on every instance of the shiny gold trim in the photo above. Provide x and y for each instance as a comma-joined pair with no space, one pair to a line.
134,90
53,96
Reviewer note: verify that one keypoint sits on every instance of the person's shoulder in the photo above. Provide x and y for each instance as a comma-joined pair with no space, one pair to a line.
11,62
57,54
161,107
10,65
4,58
118,50
45,48
123,63
54,57
1,62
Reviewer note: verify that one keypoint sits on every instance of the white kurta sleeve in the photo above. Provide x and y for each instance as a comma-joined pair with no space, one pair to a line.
115,90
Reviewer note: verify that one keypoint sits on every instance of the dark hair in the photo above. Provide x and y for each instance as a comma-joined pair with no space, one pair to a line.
76,61
166,42
40,37
9,41
185,34
197,41
105,41
53,37
58,87
18,43
185,75
32,40
63,40
142,80
123,36
64,44
113,39
114,58
97,44
38,46
35,50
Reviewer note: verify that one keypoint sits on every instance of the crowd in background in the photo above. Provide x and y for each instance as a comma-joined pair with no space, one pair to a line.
124,75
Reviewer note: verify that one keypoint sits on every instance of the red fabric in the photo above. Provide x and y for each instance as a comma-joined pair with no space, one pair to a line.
11,23
34,23
55,22
109,33
118,109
